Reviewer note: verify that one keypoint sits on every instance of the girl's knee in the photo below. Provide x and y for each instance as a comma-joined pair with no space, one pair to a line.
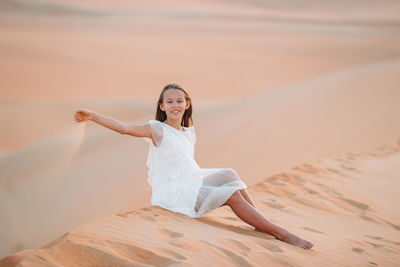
235,197
230,174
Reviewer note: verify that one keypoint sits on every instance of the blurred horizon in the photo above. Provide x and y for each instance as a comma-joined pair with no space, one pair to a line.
274,84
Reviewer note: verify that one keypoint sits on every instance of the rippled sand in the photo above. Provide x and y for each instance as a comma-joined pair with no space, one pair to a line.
273,86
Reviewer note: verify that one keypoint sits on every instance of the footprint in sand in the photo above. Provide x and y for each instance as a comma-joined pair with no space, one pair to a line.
328,190
308,168
234,257
375,245
340,160
186,243
166,235
349,168
363,215
273,205
356,204
127,214
310,191
234,245
335,171
383,248
148,217
395,226
170,253
139,255
384,240
358,250
269,246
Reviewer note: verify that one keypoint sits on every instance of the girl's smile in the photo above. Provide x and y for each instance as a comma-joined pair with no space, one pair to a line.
174,104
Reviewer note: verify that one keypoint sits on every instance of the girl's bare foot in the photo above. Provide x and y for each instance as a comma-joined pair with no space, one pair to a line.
293,240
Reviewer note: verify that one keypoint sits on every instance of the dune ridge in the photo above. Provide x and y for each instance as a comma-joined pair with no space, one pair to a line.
352,109
274,85
340,203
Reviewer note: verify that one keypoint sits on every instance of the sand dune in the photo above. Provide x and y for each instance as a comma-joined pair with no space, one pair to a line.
354,108
341,204
262,135
273,84
216,48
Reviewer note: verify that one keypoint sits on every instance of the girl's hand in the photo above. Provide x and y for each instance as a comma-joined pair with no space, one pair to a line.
83,115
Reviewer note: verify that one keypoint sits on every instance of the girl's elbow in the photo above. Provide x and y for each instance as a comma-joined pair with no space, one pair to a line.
123,129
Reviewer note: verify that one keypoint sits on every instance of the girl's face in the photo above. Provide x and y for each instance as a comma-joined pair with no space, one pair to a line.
174,104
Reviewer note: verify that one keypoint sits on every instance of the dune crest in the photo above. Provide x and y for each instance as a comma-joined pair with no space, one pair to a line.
324,201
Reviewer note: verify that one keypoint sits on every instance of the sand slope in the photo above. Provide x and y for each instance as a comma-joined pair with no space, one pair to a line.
274,85
61,182
341,204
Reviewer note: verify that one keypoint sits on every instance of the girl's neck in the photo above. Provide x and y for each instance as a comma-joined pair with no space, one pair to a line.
174,123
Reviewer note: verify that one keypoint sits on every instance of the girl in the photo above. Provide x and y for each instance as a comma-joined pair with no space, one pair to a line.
178,183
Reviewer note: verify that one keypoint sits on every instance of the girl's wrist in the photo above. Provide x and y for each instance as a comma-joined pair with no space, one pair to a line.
93,116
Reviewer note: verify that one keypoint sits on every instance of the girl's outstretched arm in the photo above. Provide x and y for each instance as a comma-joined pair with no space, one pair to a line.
113,124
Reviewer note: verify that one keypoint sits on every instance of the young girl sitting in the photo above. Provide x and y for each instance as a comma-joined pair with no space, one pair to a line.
178,183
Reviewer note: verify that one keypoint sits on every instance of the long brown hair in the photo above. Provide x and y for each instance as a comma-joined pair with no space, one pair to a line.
187,116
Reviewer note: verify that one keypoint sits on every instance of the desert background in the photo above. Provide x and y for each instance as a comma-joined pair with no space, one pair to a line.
301,98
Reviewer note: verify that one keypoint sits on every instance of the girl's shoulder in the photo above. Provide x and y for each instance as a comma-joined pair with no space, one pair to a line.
189,128
163,124
155,122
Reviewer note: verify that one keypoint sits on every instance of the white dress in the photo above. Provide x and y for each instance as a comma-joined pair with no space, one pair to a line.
178,183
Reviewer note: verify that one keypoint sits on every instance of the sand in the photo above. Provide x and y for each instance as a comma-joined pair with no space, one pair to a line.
274,86
339,203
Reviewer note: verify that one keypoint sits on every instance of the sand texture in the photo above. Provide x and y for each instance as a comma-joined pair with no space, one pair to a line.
343,204
274,85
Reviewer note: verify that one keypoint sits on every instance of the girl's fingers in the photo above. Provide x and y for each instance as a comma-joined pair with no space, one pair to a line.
77,117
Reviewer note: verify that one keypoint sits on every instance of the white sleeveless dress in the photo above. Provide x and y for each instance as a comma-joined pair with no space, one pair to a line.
178,183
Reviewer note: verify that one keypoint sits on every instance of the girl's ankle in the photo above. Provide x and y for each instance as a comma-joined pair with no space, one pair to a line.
282,234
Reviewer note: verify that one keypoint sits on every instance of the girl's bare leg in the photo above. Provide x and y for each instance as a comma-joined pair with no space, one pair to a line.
246,196
246,212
